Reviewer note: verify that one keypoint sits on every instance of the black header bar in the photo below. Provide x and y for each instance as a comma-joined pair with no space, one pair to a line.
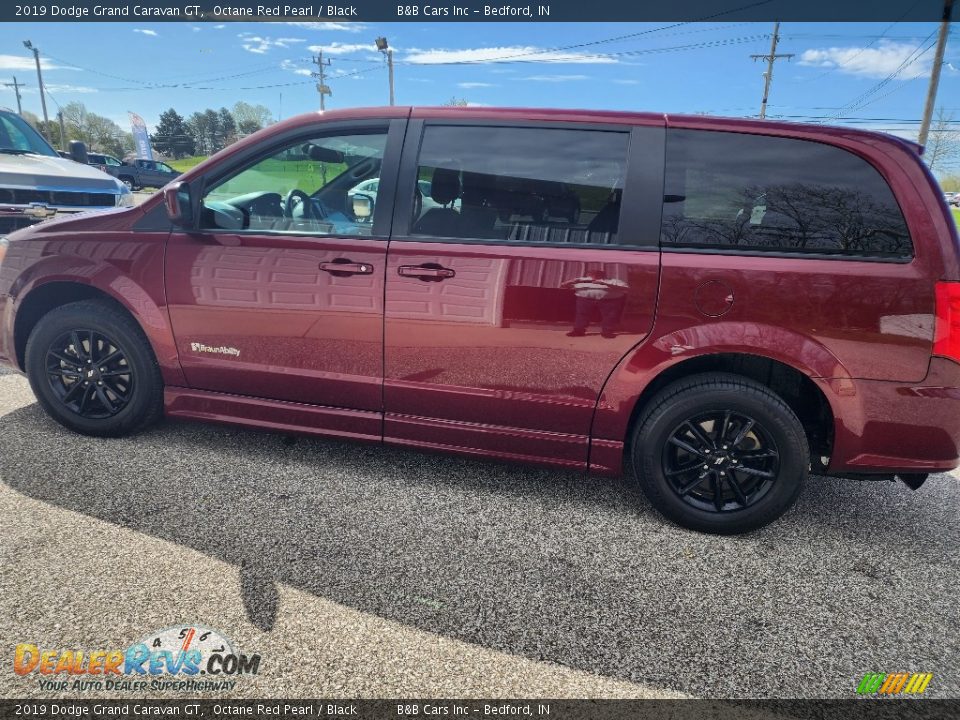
472,11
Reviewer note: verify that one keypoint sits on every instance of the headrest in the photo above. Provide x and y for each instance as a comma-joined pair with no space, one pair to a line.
445,185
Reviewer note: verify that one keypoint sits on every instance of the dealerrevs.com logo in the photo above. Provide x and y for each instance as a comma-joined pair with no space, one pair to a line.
187,657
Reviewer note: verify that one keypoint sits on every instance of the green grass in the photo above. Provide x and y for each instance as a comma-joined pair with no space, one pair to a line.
184,164
956,215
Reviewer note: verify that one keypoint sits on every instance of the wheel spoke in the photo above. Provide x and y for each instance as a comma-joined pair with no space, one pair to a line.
698,433
685,446
115,373
681,471
737,490
748,426
62,357
115,389
64,372
109,358
685,490
87,393
751,471
78,346
717,484
72,392
102,397
759,455
725,427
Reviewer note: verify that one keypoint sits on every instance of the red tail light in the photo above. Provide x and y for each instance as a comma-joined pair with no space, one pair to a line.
946,334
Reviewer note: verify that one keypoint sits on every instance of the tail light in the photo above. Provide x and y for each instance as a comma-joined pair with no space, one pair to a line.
946,334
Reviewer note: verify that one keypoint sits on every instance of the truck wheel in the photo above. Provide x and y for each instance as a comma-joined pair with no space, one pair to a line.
93,370
128,181
719,453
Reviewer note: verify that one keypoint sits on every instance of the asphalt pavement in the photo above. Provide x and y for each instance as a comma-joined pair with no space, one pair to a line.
359,570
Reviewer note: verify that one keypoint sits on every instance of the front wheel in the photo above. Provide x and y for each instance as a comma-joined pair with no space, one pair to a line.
719,453
93,370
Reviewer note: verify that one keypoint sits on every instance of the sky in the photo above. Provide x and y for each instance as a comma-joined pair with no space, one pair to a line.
870,74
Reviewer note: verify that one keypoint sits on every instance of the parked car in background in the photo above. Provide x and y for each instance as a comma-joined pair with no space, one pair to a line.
716,307
952,198
135,174
36,183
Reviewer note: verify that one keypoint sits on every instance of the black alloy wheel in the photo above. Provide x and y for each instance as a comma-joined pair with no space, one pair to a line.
89,373
721,461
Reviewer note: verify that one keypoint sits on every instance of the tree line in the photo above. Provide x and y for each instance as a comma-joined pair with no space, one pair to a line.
207,131
203,133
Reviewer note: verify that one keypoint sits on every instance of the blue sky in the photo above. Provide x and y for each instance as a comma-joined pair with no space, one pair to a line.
852,72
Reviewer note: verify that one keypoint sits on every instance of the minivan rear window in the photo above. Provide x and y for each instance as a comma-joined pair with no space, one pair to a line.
520,185
758,193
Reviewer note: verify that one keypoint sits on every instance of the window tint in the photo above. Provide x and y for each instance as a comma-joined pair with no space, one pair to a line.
765,193
537,185
306,187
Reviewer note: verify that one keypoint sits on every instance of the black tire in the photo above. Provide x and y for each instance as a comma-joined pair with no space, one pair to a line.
128,181
687,422
119,397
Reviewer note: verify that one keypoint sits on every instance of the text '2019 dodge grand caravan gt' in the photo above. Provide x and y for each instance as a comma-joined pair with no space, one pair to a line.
716,306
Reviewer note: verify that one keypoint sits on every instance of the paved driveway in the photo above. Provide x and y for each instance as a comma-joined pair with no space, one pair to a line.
367,571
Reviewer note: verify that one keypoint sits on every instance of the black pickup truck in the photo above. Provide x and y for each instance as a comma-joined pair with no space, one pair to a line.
135,174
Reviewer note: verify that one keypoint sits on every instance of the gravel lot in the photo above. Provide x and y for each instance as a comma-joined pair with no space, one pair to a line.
403,573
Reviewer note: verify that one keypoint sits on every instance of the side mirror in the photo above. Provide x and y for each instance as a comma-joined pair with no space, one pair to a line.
78,152
362,206
179,203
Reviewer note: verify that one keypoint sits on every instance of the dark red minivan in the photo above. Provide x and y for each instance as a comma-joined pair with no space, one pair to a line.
716,306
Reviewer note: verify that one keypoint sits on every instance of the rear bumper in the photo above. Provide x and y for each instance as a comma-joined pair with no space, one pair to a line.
889,427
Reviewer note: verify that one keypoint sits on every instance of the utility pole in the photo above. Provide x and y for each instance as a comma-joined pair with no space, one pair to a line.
322,86
384,47
16,89
771,58
935,72
43,100
63,134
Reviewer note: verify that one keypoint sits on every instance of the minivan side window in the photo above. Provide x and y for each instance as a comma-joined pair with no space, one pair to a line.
758,193
526,185
304,187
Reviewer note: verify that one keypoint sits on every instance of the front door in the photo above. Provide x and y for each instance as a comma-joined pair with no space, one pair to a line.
278,293
523,267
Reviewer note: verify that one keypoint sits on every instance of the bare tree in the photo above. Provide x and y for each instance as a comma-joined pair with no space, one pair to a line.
943,142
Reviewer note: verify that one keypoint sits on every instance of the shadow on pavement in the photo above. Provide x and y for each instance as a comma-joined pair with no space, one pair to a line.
549,565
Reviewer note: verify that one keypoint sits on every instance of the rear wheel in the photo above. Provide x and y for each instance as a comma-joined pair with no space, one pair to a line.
128,181
719,453
93,371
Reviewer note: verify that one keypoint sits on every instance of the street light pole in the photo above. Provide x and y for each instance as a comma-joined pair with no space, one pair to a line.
43,100
935,73
385,48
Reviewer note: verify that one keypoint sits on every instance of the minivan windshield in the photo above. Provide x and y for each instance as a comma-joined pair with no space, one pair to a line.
17,137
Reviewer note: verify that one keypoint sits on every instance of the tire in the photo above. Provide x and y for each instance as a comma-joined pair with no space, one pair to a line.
760,475
128,181
119,397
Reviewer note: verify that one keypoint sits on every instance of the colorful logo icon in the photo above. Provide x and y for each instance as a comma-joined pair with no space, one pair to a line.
894,683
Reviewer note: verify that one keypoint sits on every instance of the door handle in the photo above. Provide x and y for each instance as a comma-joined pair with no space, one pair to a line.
343,267
429,271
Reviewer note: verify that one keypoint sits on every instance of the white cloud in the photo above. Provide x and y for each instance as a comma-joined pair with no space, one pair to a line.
529,54
60,88
262,45
345,27
627,82
336,48
556,78
469,85
871,62
16,62
195,28
219,27
294,68
151,33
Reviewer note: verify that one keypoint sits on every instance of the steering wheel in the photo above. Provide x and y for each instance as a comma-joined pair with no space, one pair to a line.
311,210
